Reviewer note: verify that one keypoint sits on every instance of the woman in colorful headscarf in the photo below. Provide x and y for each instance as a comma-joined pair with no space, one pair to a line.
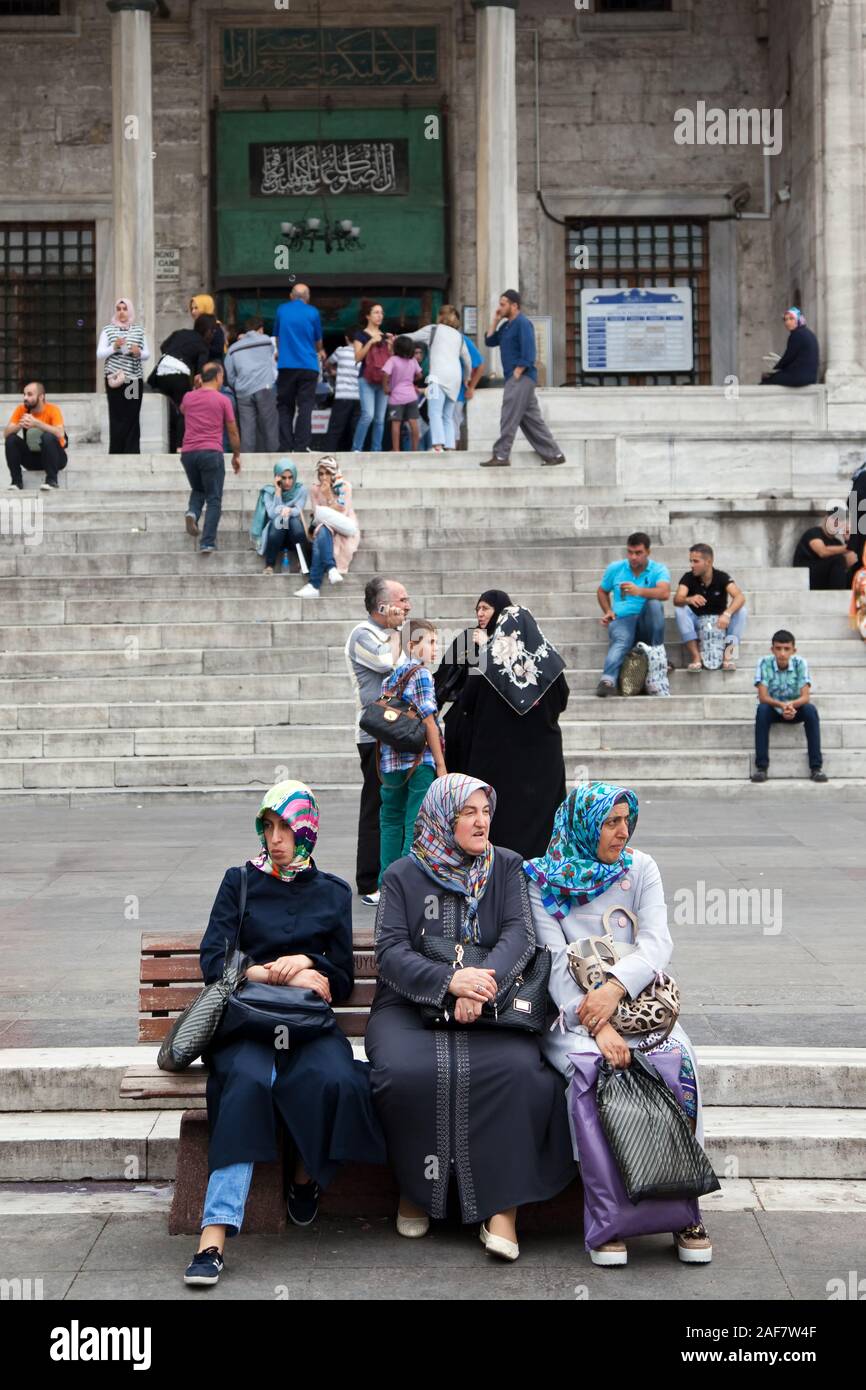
587,883
508,726
336,536
282,505
297,930
466,1102
798,365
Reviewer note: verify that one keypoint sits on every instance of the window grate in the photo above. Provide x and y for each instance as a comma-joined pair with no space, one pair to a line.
29,7
634,254
607,6
47,305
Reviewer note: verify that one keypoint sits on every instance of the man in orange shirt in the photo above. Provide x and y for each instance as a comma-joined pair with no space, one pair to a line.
47,421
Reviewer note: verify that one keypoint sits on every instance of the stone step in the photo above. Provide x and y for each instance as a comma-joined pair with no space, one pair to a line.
327,769
82,1079
75,1145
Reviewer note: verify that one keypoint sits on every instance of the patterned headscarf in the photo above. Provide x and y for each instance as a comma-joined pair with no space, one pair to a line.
435,848
286,466
570,871
122,299
332,468
798,315
518,661
295,804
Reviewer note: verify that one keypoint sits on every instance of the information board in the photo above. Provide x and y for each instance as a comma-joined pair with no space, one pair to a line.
638,330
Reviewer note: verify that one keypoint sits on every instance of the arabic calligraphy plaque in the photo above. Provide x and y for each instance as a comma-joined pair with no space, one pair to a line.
303,168
271,59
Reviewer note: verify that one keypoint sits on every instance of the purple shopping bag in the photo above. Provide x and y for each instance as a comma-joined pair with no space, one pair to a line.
607,1212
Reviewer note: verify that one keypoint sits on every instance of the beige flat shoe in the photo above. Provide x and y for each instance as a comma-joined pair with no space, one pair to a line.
498,1245
412,1227
612,1253
694,1246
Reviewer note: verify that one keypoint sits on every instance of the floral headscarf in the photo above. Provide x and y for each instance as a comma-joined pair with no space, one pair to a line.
518,660
570,871
295,804
798,315
435,848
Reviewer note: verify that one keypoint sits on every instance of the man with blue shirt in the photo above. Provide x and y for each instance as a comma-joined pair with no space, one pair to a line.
467,388
785,692
520,409
300,352
635,614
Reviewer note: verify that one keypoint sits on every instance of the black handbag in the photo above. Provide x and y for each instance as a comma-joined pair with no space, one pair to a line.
394,721
650,1135
521,1005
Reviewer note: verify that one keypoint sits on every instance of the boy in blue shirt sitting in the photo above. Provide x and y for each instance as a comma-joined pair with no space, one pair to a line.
785,692
639,587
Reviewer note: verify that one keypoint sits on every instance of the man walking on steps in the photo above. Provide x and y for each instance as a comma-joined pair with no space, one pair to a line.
520,409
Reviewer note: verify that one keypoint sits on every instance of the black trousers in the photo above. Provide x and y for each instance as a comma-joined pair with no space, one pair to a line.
174,388
296,391
341,426
367,863
51,457
124,412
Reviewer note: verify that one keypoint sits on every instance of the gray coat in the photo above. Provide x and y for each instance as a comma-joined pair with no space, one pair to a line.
643,893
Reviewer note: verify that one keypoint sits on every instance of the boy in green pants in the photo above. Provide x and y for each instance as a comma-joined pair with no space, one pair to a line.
404,779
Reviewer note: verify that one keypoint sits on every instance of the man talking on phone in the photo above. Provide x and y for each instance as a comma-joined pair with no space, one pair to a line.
513,334
374,649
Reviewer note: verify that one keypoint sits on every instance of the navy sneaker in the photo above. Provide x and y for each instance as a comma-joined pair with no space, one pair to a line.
302,1202
205,1267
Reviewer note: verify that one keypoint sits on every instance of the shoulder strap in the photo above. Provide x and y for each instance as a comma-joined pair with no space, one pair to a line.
406,677
242,905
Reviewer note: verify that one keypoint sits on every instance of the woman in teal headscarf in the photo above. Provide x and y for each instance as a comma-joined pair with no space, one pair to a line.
588,882
284,503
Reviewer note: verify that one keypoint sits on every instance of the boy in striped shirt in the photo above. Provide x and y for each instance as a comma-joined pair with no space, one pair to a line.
346,406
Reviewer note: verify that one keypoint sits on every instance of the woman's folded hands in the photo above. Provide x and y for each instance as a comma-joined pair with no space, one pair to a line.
292,970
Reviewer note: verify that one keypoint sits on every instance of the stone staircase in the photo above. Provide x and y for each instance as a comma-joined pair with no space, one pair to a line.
133,667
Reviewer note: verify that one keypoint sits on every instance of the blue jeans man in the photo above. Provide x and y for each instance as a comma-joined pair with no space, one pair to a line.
206,471
767,716
646,626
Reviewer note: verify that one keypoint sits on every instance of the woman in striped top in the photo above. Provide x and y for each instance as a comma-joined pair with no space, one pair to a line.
123,348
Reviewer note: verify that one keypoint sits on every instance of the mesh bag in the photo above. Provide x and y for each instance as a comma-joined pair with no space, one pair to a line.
713,640
657,682
650,1136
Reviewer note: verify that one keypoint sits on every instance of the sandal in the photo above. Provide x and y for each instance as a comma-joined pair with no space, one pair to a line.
728,664
695,666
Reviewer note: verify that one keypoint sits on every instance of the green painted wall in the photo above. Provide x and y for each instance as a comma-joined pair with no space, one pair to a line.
400,233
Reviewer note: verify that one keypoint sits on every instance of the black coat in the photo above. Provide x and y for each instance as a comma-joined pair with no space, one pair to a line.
475,1103
320,1092
798,365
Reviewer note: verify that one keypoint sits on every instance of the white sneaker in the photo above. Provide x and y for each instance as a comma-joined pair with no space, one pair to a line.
44,487
307,592
335,576
371,899
15,487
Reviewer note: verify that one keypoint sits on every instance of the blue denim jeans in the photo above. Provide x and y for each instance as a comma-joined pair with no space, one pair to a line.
374,404
646,626
227,1192
323,556
767,715
284,538
440,408
206,471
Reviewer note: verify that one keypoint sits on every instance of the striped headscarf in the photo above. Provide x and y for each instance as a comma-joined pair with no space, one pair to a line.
295,804
435,848
570,871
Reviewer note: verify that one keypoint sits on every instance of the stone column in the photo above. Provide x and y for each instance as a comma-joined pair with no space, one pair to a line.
496,160
132,131
840,36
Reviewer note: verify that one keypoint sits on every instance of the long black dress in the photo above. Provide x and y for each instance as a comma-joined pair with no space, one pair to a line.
798,365
479,1104
520,755
321,1093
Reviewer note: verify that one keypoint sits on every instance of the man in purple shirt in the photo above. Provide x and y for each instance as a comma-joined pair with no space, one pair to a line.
513,334
206,413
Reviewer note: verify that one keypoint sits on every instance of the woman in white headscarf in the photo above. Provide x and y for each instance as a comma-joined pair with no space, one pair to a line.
123,348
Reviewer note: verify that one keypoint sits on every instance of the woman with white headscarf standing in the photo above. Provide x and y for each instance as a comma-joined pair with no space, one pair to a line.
123,348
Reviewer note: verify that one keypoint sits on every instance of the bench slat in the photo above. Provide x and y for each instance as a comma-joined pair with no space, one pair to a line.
176,997
152,1030
149,1083
174,943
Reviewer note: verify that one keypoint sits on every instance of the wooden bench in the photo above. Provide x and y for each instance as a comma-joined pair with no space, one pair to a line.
170,978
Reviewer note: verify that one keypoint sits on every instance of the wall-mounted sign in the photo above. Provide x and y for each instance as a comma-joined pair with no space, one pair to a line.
271,59
167,263
542,326
308,167
638,330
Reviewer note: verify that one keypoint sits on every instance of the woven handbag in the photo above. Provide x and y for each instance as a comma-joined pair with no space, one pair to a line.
521,1005
633,672
650,1135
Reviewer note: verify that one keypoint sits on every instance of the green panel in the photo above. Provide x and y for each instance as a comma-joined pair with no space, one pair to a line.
270,59
400,233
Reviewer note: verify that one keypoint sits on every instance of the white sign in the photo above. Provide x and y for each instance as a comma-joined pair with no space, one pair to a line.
167,261
646,330
542,327
470,320
320,419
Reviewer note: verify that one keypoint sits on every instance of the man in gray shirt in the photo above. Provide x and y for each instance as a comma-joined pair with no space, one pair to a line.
251,372
373,650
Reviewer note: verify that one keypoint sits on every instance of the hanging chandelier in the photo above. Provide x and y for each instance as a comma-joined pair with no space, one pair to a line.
320,231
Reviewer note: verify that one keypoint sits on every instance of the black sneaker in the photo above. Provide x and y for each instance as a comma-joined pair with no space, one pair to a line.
560,458
818,775
759,775
604,688
371,899
302,1202
205,1267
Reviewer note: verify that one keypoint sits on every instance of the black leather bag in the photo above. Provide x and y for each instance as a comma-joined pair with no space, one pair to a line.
650,1135
394,721
521,1005
283,1015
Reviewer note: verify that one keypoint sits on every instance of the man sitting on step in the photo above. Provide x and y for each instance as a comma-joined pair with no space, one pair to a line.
639,586
705,592
785,692
35,438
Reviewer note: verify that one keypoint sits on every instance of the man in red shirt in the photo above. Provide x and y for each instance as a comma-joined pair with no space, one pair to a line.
35,438
206,414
